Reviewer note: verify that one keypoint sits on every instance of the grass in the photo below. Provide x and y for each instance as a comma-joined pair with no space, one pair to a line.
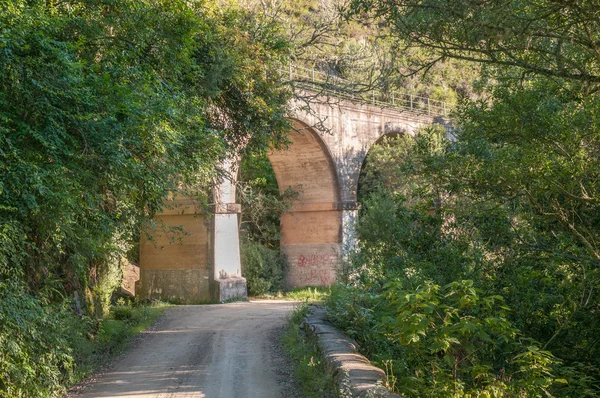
94,342
306,358
306,294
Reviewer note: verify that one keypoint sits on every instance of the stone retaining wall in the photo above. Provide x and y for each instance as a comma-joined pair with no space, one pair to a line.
352,372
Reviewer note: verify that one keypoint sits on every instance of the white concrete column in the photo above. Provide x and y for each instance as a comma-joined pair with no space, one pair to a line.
349,240
226,239
227,246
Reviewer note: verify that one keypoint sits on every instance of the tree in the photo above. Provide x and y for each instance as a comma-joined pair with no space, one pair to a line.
105,108
551,38
520,190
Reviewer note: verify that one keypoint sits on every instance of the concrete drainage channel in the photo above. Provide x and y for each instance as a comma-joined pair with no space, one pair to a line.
352,372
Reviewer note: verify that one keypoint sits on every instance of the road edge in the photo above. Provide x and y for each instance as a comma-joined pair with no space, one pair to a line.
353,373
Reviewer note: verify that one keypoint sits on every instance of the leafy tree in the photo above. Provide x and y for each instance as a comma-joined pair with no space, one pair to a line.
443,214
519,186
105,108
551,38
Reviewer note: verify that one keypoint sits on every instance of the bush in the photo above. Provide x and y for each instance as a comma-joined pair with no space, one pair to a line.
441,341
440,264
263,269
35,358
122,312
45,348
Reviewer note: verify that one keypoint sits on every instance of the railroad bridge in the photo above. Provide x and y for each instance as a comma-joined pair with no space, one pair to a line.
204,265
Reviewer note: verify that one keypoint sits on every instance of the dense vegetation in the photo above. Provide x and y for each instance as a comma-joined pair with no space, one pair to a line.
478,270
263,265
105,107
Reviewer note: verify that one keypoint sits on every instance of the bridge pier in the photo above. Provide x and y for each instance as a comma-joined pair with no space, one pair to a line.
227,278
175,254
227,282
311,242
349,240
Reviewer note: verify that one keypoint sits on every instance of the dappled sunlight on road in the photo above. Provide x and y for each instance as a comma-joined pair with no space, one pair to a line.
200,351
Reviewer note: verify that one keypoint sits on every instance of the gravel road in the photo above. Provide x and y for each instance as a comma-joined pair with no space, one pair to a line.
224,351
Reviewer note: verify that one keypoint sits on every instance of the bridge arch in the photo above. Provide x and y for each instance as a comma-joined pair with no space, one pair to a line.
317,232
360,188
311,232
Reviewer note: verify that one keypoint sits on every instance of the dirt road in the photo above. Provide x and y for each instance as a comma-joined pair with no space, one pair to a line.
223,351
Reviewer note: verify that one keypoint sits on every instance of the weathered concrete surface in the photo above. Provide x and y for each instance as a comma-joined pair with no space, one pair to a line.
187,286
350,370
311,264
220,351
175,263
231,288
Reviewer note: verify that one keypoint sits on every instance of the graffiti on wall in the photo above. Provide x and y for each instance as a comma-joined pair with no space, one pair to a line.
315,269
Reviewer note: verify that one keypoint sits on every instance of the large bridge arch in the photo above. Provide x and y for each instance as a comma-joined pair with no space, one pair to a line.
317,232
311,232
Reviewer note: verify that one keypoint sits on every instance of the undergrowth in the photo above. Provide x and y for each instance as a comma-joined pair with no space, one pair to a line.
98,341
305,294
46,348
308,363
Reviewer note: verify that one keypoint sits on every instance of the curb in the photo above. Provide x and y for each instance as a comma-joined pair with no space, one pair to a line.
353,373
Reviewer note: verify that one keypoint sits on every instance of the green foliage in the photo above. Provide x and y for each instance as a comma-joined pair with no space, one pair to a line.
105,108
263,269
99,123
262,204
458,342
555,39
443,341
511,205
93,342
44,348
35,357
308,294
434,215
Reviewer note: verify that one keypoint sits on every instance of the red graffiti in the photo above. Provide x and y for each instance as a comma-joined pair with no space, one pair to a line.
316,277
315,269
316,260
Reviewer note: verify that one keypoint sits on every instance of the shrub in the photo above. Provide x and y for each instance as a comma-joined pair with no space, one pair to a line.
35,359
440,263
444,341
263,269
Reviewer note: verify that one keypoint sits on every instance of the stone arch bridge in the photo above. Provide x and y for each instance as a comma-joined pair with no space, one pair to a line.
318,230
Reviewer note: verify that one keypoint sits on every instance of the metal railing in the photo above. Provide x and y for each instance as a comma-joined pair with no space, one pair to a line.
314,80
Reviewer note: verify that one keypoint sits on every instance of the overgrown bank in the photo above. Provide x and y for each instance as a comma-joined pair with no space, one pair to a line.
308,362
453,289
105,108
50,348
478,271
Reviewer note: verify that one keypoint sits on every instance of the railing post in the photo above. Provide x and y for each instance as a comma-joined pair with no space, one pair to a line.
313,75
373,93
428,107
393,103
411,102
